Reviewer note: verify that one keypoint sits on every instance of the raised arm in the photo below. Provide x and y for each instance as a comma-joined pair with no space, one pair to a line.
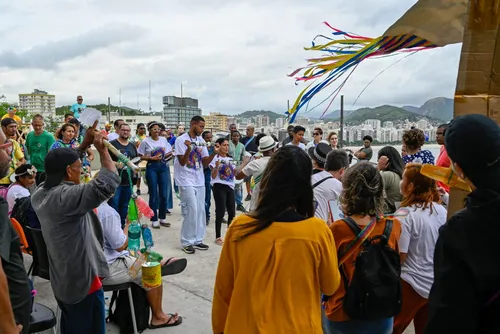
7,321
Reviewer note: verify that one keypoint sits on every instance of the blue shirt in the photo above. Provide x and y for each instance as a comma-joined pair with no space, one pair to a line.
77,108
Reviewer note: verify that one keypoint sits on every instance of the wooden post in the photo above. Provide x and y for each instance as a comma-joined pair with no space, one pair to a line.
478,82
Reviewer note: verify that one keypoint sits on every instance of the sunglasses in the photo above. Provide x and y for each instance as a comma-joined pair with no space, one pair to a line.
316,134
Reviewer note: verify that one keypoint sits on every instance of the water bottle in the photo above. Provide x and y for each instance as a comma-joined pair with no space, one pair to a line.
134,237
154,257
133,215
143,207
147,237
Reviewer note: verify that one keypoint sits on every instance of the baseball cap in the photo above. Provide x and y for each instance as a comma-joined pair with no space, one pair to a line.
56,162
473,142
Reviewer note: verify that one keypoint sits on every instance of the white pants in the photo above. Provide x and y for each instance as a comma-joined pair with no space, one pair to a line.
194,224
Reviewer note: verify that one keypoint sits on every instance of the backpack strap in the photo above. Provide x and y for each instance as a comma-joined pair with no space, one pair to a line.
387,230
321,181
361,237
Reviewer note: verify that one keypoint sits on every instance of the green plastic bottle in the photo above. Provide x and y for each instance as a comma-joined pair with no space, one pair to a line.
154,256
133,215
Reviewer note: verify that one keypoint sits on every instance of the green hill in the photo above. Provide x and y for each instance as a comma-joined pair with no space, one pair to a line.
252,113
103,108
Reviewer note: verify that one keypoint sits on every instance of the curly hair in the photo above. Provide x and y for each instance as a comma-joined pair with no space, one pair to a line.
424,191
363,190
413,139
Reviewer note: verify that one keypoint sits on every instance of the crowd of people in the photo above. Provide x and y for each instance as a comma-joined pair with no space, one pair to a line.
323,245
386,258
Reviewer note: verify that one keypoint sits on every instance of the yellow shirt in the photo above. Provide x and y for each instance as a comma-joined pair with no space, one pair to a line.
271,281
15,118
16,154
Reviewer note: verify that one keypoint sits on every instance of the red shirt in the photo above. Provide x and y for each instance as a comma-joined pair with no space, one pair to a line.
95,286
443,161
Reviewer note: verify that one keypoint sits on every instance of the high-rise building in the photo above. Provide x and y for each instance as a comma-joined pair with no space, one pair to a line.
216,122
177,110
280,122
422,124
374,123
38,102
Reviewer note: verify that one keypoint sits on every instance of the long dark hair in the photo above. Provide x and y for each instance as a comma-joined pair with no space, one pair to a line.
396,164
285,185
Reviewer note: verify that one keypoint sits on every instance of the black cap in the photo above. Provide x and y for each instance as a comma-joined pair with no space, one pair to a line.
8,121
473,142
56,162
319,153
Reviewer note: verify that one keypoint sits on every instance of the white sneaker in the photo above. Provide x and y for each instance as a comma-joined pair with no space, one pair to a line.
155,224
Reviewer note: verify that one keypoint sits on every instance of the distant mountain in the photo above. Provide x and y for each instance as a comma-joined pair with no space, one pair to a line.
252,113
382,113
440,108
336,114
103,108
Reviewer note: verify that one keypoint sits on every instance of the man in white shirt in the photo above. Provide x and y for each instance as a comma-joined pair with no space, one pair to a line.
337,161
325,187
116,125
192,157
256,167
298,137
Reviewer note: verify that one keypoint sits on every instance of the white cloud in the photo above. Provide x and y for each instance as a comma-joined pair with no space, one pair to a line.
232,56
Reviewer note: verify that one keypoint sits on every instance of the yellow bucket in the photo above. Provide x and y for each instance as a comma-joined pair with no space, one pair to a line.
151,275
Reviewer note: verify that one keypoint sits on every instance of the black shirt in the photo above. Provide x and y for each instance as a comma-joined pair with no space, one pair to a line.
13,266
130,151
250,145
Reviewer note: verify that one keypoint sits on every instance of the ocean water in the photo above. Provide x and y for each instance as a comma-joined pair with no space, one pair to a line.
434,148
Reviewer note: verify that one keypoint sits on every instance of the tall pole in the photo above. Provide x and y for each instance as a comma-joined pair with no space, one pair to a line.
288,105
341,120
149,95
120,103
181,90
109,109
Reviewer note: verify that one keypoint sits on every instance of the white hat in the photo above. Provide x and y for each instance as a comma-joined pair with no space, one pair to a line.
266,143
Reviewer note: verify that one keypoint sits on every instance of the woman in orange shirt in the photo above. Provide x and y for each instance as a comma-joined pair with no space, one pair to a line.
277,260
361,200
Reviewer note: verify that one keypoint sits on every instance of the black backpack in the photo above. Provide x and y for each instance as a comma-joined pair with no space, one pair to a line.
122,315
374,292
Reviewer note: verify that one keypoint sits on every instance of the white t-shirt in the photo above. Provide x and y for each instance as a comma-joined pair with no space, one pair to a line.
420,231
113,136
328,190
114,237
312,144
225,175
256,168
150,147
190,175
301,145
16,191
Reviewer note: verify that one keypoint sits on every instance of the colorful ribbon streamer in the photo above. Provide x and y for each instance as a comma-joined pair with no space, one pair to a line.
342,55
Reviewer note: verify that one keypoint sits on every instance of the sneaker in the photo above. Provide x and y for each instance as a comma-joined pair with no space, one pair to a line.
138,192
164,223
189,249
201,246
241,208
168,213
248,198
155,224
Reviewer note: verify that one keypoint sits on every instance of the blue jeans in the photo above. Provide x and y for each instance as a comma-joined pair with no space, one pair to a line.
238,193
87,316
194,223
158,180
120,202
170,198
383,326
208,192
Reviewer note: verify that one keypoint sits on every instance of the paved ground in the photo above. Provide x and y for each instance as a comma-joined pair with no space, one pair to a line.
189,293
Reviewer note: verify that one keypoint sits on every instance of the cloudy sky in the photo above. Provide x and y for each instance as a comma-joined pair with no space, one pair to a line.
231,55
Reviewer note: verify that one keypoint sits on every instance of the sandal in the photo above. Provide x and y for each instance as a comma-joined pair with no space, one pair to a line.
167,324
173,266
219,241
164,223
